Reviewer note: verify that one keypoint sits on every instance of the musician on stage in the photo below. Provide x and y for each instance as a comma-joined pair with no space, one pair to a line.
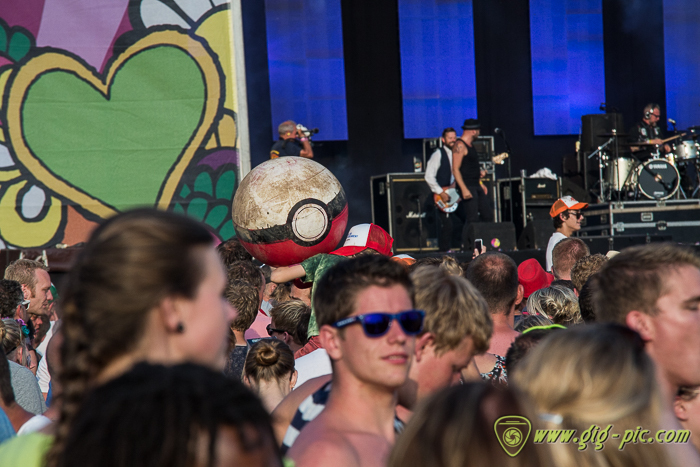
468,174
439,177
648,131
292,142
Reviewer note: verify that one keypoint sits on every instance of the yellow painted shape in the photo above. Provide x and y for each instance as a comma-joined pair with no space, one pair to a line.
16,231
227,131
217,30
4,76
7,175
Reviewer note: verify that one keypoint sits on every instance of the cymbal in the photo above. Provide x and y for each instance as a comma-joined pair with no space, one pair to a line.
635,143
610,135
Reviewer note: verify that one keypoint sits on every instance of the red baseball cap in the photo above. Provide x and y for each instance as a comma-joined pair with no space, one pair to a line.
363,236
532,276
565,203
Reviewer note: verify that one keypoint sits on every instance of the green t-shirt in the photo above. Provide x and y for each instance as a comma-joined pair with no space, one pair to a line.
315,267
26,450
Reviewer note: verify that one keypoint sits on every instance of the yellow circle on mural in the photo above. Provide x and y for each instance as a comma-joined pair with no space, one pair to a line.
18,232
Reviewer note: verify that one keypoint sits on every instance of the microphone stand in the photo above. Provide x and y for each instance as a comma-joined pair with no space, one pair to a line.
603,196
510,176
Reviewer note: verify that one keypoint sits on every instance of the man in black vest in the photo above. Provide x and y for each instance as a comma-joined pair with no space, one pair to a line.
438,175
289,145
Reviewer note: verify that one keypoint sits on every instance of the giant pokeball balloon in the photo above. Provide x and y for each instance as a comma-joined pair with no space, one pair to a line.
289,209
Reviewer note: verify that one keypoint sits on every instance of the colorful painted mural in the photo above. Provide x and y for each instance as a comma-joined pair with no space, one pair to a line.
115,104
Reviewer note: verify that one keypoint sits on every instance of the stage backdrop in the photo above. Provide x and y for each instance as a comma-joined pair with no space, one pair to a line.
115,104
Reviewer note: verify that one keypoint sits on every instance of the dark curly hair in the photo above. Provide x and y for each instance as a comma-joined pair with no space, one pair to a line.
157,415
10,296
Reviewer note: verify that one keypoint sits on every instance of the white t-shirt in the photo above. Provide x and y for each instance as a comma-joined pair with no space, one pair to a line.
43,376
36,423
553,240
312,365
41,348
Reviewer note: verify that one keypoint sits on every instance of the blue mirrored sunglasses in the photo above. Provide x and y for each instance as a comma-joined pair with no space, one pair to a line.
377,324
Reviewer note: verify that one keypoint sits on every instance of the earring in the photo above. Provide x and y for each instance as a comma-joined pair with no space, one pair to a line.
180,328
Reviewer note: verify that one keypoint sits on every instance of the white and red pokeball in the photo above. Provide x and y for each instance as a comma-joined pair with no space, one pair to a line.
289,209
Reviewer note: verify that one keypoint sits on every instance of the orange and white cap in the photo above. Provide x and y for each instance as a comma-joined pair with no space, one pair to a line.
363,236
564,204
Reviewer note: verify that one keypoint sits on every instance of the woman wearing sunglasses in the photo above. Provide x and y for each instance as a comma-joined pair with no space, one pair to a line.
566,215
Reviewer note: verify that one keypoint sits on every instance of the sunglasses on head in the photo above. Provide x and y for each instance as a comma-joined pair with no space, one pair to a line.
377,324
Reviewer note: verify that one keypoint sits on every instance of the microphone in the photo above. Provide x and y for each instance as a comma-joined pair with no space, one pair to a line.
672,121
497,131
602,107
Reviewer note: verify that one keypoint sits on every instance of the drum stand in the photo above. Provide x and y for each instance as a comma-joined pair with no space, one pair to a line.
604,197
697,172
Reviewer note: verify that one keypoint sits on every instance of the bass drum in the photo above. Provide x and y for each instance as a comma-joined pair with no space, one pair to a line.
617,174
658,179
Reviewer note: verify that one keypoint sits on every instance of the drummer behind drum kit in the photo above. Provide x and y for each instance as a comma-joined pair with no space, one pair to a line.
628,178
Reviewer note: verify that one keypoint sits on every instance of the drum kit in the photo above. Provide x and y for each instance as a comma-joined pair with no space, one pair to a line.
623,176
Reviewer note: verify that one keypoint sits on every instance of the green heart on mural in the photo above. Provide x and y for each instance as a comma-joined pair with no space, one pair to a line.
122,141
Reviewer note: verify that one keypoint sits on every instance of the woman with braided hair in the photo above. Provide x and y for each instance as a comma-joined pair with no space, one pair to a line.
147,286
13,342
178,416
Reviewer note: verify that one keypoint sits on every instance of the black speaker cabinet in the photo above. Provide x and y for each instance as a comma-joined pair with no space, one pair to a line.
495,235
402,204
536,234
592,127
532,199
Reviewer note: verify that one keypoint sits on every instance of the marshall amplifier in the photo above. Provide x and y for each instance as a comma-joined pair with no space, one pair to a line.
402,204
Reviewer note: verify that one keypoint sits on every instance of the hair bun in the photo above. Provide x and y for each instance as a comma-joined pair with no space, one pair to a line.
267,354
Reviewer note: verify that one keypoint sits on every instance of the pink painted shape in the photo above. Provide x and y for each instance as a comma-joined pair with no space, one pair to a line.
5,61
84,27
25,13
124,26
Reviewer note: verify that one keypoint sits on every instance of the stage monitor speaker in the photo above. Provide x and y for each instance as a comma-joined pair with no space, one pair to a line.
596,124
536,234
495,235
402,204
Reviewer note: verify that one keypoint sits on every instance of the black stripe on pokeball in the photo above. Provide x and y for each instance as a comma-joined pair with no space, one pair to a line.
281,233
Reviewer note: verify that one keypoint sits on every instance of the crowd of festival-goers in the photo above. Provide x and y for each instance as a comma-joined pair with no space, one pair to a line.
167,350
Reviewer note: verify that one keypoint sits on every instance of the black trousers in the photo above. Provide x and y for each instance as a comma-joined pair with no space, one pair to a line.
450,225
479,208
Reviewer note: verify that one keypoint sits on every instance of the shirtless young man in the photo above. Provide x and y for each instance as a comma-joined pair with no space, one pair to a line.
368,327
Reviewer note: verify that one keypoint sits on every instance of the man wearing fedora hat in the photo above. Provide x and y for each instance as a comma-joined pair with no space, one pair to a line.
468,173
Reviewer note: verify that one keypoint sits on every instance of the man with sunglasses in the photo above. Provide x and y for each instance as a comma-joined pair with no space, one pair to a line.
367,325
566,215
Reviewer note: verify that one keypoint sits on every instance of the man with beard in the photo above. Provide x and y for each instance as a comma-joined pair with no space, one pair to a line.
438,176
36,286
